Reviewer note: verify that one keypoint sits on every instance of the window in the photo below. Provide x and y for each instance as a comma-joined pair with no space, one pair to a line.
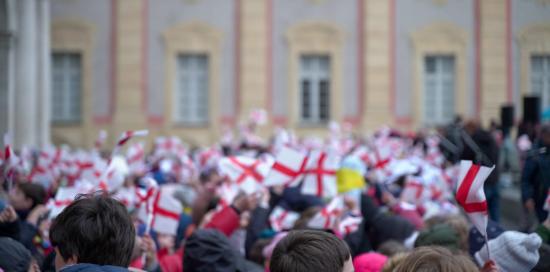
315,89
66,87
439,106
191,99
540,78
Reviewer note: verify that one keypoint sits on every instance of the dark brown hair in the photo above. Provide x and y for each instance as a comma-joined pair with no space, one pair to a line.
95,229
309,250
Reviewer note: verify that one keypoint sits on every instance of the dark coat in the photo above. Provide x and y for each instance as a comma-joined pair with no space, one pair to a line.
86,267
13,255
535,178
210,250
488,147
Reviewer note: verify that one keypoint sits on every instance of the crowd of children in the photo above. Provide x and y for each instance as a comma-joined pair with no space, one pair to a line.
381,203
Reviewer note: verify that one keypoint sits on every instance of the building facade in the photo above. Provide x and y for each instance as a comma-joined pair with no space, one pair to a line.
192,67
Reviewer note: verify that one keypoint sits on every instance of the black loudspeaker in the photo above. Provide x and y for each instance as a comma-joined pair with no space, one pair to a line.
531,109
507,116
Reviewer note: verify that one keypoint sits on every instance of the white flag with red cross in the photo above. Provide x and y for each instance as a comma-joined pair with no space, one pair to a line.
349,224
329,215
288,169
188,169
135,156
165,146
113,176
363,153
470,195
127,136
547,201
320,174
63,198
165,210
208,157
126,196
245,172
10,159
227,192
143,201
413,191
66,195
281,219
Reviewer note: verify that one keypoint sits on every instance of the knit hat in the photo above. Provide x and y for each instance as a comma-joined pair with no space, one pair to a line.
369,262
15,257
439,235
512,251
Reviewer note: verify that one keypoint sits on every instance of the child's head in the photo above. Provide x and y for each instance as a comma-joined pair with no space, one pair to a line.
94,229
435,258
458,223
25,196
391,248
311,250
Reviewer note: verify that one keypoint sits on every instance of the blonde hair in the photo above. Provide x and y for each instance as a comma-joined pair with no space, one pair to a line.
394,261
435,258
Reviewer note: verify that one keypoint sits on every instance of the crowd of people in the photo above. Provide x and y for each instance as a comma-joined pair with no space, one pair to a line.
385,202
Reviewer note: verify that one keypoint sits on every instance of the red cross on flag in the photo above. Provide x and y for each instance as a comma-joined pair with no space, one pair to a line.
281,219
165,212
127,136
144,199
470,195
413,192
547,202
10,159
246,172
328,217
349,224
63,197
135,156
208,157
165,146
288,168
320,174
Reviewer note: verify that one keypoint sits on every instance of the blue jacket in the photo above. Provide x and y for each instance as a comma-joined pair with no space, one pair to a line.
86,267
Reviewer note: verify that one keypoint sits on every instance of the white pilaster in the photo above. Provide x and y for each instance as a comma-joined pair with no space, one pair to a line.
44,77
26,75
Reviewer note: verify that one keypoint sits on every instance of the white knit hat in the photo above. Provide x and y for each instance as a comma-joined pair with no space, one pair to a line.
512,251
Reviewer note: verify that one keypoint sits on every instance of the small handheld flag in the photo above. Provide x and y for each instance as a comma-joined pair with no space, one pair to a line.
470,195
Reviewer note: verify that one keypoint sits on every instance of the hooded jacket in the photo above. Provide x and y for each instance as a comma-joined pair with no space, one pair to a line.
86,267
209,250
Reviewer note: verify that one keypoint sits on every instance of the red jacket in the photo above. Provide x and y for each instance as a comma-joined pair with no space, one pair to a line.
226,221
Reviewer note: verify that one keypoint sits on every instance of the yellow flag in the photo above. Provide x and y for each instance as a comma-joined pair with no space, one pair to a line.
349,179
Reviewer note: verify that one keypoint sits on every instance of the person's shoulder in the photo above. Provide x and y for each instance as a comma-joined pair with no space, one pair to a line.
535,152
85,267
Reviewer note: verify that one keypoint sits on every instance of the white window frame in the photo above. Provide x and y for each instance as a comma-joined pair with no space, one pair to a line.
442,111
191,103
542,88
314,71
66,98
